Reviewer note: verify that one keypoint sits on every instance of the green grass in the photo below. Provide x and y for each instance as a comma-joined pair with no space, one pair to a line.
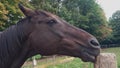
77,63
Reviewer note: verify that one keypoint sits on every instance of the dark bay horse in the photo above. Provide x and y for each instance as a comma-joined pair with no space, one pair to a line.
44,33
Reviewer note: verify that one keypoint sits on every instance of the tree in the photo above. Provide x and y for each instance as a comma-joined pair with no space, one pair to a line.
115,25
3,15
10,12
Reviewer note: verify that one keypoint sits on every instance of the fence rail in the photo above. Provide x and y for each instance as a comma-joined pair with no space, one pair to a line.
110,45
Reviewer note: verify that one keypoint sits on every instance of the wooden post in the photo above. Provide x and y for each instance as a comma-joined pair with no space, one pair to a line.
34,61
106,60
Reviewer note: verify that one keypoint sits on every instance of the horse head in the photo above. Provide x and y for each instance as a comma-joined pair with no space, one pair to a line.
49,34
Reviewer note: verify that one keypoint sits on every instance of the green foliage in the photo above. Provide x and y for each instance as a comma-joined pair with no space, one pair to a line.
9,12
115,25
3,15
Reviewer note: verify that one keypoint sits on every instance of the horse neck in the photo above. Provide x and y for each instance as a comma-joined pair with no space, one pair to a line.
12,41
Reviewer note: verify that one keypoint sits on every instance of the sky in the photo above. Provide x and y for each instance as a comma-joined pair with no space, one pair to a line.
109,6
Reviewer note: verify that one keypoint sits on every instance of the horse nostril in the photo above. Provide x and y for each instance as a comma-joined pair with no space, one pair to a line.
95,43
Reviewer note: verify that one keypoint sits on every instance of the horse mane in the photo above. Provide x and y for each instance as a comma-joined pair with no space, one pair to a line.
10,43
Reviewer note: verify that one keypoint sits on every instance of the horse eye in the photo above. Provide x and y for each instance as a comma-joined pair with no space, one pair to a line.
51,22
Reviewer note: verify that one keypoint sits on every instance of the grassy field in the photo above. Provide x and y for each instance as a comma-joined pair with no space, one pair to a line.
74,63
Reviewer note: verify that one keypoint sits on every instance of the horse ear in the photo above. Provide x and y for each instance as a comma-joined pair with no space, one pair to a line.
26,11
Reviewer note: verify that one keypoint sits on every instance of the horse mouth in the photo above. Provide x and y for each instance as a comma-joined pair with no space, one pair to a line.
87,57
89,54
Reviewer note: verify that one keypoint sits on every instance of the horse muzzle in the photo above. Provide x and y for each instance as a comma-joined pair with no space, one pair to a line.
89,55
